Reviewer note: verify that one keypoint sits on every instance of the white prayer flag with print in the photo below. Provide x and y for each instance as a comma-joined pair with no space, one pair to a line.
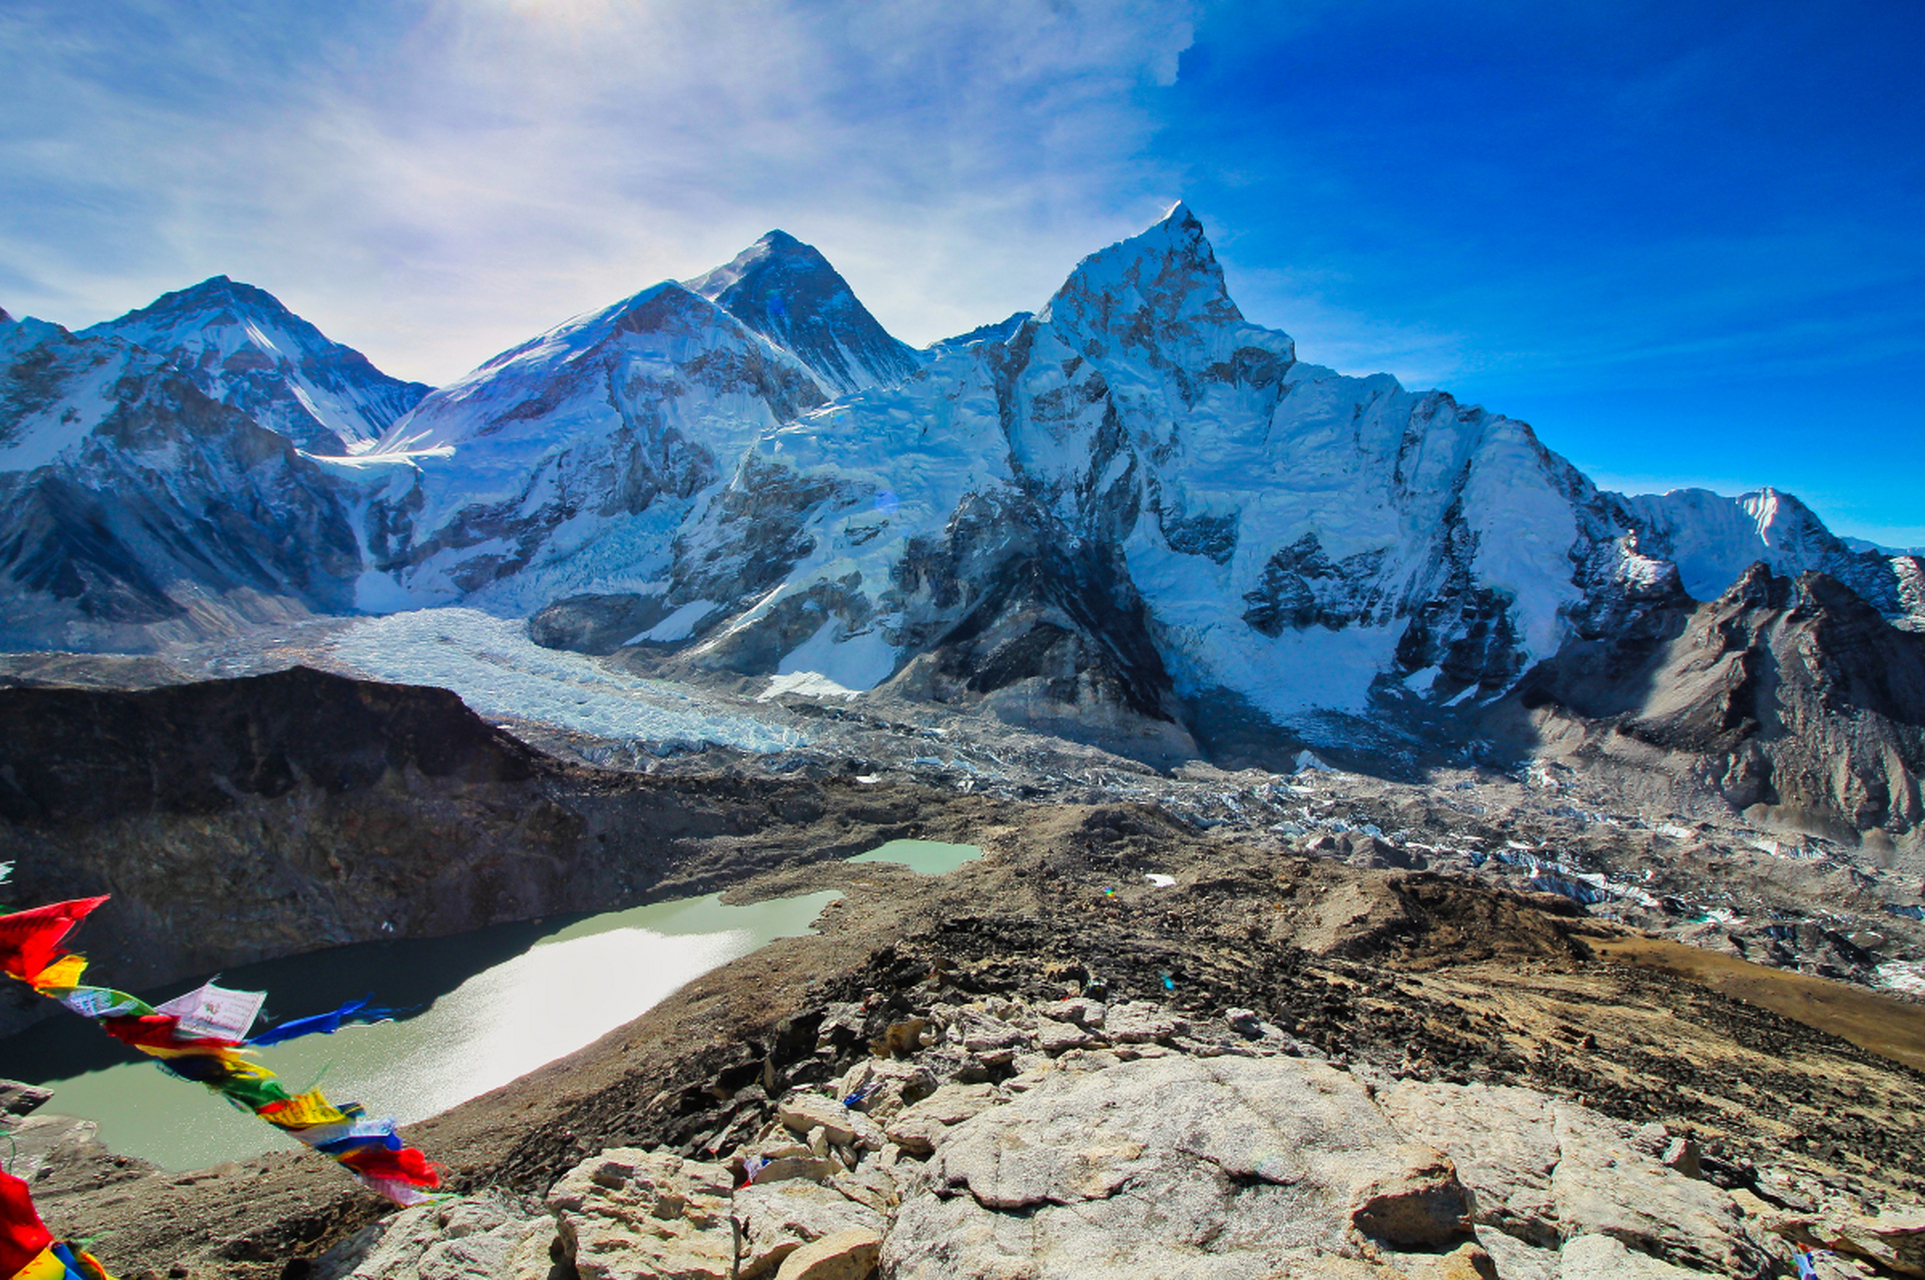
215,1012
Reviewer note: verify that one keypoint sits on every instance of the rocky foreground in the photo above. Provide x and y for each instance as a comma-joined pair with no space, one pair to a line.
1271,1065
1078,1139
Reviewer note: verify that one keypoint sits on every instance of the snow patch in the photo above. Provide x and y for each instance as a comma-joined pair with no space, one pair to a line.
679,625
1906,976
857,662
810,684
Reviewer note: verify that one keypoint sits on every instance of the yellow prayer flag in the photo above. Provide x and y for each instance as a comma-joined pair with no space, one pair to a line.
62,975
304,1111
44,1266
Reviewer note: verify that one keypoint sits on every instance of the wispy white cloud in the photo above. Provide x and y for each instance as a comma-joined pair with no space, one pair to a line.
433,183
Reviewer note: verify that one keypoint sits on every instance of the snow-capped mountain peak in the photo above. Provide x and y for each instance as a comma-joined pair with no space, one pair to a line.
569,461
1714,539
1133,514
242,347
787,291
1159,290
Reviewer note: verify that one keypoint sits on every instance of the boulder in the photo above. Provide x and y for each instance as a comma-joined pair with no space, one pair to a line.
871,1184
628,1214
1080,1010
1546,1171
1420,1206
486,1237
1894,1238
1603,1186
1468,1261
1503,1144
777,1220
1516,1260
1140,1022
920,1128
1163,1166
1595,1257
992,1039
846,1255
882,1087
902,1037
802,1112
809,1168
1245,1022
1054,1037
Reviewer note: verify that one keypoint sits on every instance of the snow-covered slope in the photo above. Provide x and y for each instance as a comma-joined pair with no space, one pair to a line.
1143,474
240,346
1714,539
787,292
569,462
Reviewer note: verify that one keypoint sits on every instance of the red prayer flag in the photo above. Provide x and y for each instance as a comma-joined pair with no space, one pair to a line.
30,939
159,1031
22,1235
406,1165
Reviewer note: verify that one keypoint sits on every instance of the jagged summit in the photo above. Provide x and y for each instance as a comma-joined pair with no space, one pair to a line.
787,291
4,317
1155,289
241,346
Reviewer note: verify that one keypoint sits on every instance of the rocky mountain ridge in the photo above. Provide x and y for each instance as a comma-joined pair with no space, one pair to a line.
1132,518
787,292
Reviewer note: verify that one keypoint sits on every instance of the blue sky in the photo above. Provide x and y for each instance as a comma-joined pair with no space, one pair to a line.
1683,240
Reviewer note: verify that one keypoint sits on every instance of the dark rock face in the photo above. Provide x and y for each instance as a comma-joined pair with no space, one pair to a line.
74,756
238,820
61,544
1798,697
1302,587
595,624
1068,622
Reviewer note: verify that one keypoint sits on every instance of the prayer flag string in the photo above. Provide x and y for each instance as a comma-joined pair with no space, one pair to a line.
200,1036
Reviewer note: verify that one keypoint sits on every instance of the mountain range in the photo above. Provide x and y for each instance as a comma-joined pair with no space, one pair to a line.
1132,517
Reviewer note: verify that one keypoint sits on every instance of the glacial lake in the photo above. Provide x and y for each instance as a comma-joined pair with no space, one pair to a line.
476,1010
929,857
